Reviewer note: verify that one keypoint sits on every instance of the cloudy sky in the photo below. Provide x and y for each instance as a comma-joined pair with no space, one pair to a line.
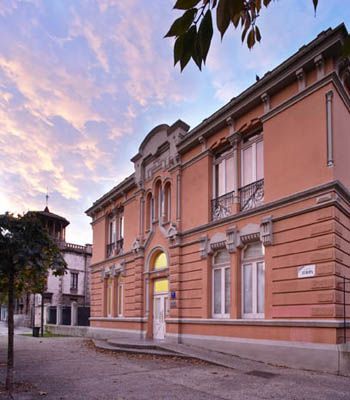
83,81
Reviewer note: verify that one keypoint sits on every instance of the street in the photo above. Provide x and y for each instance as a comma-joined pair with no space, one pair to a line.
71,368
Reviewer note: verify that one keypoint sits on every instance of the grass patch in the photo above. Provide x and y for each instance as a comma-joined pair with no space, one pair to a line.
46,335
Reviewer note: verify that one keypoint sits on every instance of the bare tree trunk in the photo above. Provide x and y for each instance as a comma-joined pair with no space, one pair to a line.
10,358
42,315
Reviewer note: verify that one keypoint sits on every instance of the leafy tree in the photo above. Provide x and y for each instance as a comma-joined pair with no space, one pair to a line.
193,31
27,252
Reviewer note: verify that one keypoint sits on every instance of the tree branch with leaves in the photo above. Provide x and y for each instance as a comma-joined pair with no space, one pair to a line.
194,30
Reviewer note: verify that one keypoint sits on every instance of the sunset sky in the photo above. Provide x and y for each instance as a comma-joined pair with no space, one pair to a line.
82,82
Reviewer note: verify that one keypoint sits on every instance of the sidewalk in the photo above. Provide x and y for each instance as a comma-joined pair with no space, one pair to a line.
20,330
152,347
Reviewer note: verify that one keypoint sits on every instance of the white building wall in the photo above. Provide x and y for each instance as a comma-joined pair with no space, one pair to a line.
61,286
53,286
75,263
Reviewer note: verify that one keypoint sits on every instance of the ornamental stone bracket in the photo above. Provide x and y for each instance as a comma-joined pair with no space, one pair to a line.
217,242
254,232
113,271
118,269
265,98
233,238
319,63
266,232
231,242
137,247
300,74
248,234
173,235
203,246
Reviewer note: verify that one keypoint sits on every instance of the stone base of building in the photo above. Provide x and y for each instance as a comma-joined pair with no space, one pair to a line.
331,358
321,357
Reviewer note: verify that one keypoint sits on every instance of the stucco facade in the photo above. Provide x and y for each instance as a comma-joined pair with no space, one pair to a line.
238,228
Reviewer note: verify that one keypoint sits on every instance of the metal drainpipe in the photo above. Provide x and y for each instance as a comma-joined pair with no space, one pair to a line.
85,277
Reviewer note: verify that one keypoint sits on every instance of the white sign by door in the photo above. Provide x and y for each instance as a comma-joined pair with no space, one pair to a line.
307,271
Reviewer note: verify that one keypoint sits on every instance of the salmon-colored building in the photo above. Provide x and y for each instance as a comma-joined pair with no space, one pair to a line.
238,230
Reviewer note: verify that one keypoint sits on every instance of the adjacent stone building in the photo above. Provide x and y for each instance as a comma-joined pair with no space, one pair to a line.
238,230
73,286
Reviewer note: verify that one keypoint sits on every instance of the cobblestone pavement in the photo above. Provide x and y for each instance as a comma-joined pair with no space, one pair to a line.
70,368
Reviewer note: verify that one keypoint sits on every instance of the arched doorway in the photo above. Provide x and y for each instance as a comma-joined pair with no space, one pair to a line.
160,296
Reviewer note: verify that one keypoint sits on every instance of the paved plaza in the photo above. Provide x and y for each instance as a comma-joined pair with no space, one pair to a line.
71,368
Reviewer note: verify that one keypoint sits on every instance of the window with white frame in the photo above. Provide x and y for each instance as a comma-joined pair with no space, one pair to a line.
252,160
253,281
120,226
120,300
221,284
74,280
223,172
112,228
109,297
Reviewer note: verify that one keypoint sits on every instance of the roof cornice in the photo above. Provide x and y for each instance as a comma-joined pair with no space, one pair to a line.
118,191
252,95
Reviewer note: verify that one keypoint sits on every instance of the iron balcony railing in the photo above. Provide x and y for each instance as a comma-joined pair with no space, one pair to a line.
113,249
252,195
221,207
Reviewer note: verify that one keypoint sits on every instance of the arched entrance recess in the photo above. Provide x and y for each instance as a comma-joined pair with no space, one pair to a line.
159,274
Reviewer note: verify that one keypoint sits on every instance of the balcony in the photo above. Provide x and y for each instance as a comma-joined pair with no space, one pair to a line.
252,195
114,249
222,206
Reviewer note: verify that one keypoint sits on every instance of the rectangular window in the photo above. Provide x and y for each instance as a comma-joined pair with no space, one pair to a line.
253,289
259,160
120,300
112,237
247,173
260,287
74,280
121,227
247,289
252,161
227,290
109,297
223,175
217,291
221,292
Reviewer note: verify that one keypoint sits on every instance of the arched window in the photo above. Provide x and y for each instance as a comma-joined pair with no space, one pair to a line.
167,202
221,284
149,211
160,261
253,281
158,201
